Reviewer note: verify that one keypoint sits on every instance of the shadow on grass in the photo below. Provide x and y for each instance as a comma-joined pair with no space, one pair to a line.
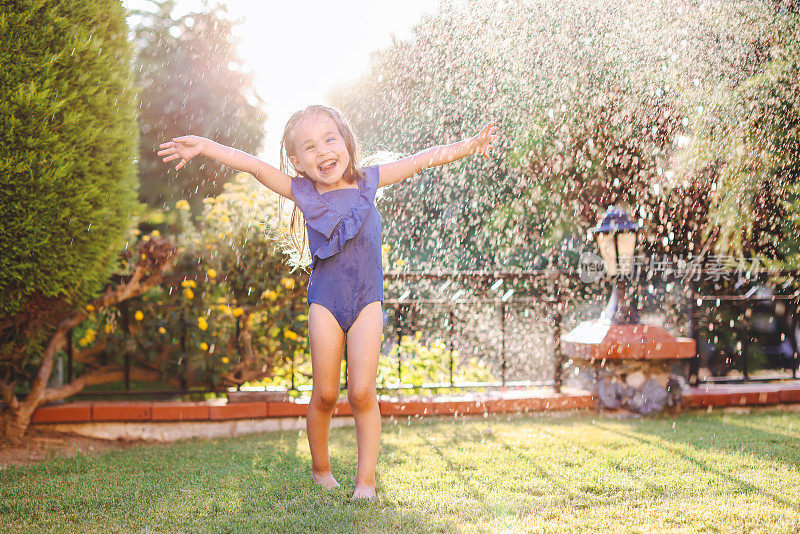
545,474
768,438
481,489
438,510
748,435
280,466
259,482
458,471
389,512
665,440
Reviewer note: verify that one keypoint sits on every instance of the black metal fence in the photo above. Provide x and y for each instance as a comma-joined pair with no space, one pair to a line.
779,339
551,294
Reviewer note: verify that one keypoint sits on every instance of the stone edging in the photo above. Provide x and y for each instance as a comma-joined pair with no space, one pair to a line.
84,412
511,401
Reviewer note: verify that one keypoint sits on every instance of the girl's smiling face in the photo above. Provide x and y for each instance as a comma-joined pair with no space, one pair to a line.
320,151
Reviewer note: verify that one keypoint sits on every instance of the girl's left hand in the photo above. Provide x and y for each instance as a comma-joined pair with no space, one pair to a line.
485,139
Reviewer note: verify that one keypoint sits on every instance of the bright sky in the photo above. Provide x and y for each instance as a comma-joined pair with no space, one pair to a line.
299,50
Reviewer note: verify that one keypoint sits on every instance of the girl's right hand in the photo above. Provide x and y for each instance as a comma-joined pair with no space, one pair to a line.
185,148
485,139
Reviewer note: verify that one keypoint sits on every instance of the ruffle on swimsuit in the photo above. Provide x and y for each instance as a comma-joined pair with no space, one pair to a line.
337,226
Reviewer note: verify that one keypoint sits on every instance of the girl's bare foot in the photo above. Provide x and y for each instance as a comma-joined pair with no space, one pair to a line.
324,479
363,491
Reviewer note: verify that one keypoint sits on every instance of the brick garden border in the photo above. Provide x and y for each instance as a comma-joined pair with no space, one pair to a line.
502,402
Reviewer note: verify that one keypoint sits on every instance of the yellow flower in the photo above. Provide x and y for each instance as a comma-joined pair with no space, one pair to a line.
238,311
136,231
188,283
202,323
212,273
138,315
400,262
288,283
182,205
204,345
162,330
107,328
89,308
224,308
289,334
188,293
225,359
160,302
274,331
155,233
386,248
271,295
145,238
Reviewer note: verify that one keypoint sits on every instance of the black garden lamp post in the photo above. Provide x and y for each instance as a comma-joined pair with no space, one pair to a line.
616,237
617,346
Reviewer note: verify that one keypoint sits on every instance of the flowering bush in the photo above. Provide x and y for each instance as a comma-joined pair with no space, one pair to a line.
239,320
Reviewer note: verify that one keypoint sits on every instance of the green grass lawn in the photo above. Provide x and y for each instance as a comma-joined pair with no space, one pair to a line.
718,472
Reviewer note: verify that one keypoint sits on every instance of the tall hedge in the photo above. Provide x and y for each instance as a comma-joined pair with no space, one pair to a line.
68,147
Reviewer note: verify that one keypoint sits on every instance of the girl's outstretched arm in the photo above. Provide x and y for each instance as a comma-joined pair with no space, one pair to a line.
390,173
189,146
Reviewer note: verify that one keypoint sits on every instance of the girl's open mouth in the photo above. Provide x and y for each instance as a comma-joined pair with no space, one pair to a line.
328,166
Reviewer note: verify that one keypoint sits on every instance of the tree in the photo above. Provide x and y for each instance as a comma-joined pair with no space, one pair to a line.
750,136
596,106
68,145
521,64
192,81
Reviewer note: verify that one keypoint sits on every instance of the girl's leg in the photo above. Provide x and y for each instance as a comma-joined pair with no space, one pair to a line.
363,349
326,340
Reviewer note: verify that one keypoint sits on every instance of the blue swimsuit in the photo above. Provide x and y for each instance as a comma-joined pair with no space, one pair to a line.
344,237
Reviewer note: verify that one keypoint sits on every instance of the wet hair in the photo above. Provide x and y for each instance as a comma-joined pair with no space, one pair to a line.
298,237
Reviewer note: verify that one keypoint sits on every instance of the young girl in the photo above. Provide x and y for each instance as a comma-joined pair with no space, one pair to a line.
345,291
